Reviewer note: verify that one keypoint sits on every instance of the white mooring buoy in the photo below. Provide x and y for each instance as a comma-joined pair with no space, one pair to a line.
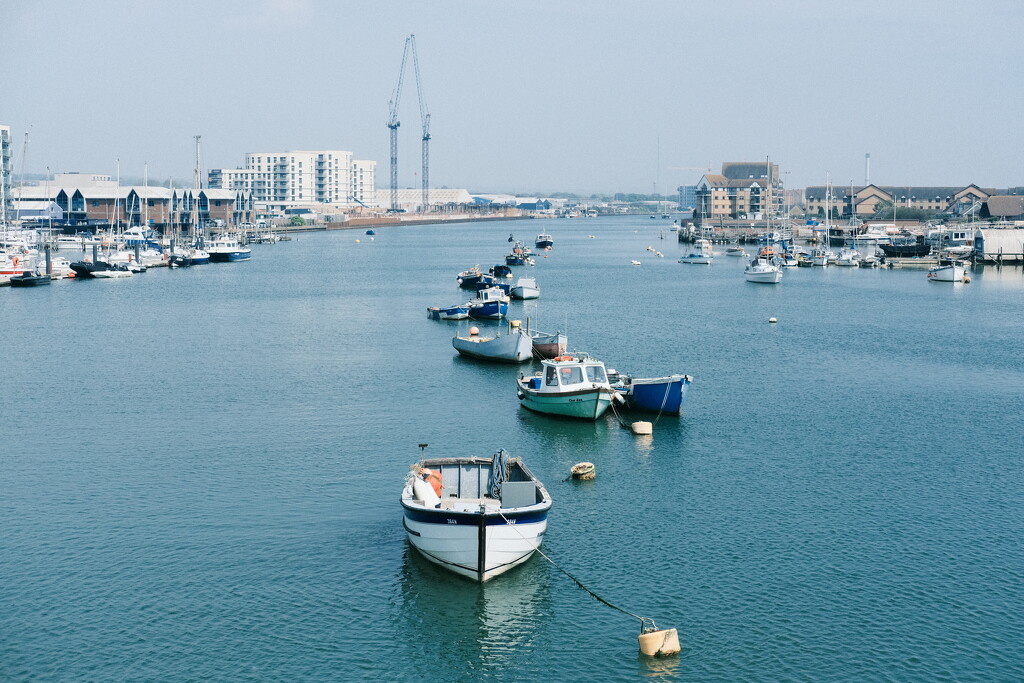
772,320
641,427
659,642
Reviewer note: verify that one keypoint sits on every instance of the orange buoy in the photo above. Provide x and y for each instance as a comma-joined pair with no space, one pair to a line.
434,479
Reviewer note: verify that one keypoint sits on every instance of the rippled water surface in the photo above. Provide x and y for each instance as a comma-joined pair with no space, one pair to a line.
201,469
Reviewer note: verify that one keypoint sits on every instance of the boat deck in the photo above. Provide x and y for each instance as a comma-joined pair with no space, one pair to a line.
467,504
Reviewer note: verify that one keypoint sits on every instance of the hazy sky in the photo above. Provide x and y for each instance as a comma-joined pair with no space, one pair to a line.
531,96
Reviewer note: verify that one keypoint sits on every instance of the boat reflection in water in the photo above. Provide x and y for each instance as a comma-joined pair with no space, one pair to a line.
490,629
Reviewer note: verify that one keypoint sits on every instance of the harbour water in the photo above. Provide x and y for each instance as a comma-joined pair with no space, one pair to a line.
201,469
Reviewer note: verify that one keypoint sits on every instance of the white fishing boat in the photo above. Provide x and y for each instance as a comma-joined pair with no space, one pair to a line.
515,346
525,288
735,251
763,269
477,517
847,257
948,271
571,386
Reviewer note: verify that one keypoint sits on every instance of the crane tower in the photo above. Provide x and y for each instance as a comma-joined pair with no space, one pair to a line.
393,125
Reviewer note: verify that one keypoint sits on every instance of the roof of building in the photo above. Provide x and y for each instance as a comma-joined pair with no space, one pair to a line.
1005,205
816,192
745,170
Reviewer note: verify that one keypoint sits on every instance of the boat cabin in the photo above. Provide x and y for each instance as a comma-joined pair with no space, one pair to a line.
490,294
566,373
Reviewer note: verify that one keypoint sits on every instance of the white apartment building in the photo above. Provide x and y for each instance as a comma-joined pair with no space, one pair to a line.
302,177
5,174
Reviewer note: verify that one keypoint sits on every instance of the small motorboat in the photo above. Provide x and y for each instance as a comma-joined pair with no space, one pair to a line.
702,253
477,517
227,248
469,278
499,270
30,278
549,344
519,256
946,271
544,241
120,270
657,394
457,312
570,386
763,269
735,251
515,346
848,257
525,288
489,303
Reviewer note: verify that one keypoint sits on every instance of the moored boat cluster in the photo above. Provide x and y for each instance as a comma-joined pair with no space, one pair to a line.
32,258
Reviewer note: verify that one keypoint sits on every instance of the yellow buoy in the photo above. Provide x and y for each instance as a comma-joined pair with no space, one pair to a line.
357,241
659,642
514,324
642,428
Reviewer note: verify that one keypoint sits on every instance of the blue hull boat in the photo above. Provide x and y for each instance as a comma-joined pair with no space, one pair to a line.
656,394
228,256
460,312
488,309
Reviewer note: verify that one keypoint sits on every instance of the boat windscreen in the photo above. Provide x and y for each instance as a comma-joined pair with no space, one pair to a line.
571,375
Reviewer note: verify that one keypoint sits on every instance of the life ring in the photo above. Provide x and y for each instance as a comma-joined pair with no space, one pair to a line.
14,260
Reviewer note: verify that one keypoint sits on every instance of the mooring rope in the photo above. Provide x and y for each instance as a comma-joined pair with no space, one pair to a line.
616,412
661,410
643,620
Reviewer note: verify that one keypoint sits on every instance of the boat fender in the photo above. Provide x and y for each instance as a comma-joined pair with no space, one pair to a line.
14,260
421,490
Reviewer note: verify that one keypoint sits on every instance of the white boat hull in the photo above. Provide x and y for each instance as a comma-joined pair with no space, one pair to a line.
115,273
515,347
455,546
525,293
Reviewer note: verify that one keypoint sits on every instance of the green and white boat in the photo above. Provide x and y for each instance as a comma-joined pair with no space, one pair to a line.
572,386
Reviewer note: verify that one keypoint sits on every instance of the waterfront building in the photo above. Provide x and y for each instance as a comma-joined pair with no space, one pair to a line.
866,200
742,190
87,199
411,201
281,180
687,196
